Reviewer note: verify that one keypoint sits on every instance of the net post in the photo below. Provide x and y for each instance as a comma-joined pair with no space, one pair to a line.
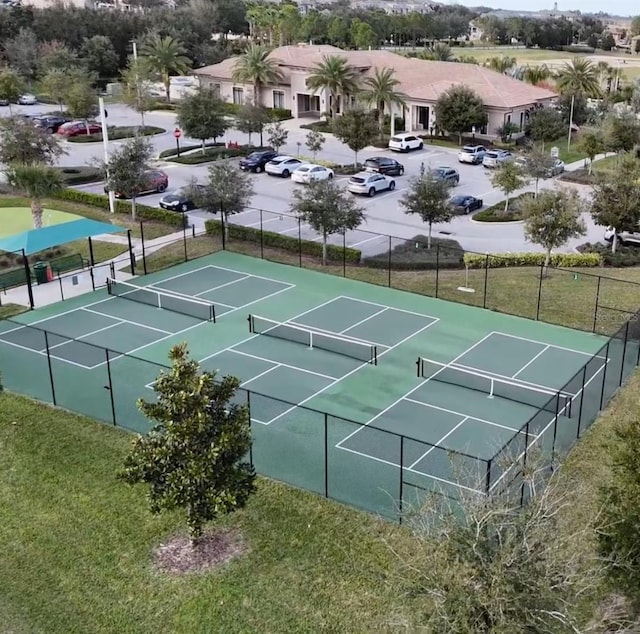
418,364
375,355
251,325
491,388
212,317
311,340
53,389
159,300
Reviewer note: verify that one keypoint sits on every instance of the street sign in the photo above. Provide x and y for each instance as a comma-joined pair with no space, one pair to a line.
177,133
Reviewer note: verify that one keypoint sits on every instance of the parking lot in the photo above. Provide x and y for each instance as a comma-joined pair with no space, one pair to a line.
384,215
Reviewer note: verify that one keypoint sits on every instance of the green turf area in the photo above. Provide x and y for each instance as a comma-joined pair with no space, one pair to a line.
18,219
77,544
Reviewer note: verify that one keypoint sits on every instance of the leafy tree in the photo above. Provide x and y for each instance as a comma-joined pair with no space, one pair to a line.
56,55
622,133
508,178
458,110
82,100
635,26
277,135
328,210
592,143
227,190
252,118
255,67
334,75
99,56
315,141
381,91
21,142
136,87
55,84
194,457
545,125
636,46
619,539
615,200
552,219
125,171
356,128
11,86
537,165
428,197
363,35
506,131
22,53
202,116
164,56
37,181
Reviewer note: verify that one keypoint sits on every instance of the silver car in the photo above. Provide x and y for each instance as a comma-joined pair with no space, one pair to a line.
495,158
370,183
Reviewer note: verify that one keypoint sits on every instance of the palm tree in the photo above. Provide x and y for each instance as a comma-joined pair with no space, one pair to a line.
165,55
255,67
502,64
381,91
37,181
334,74
536,74
580,77
439,53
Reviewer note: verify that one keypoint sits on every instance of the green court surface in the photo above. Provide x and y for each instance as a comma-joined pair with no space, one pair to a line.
18,219
330,370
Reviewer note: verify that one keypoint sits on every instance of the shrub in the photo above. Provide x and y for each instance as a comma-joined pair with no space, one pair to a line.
624,256
496,213
161,104
284,242
319,126
144,212
187,148
216,154
580,176
578,48
79,175
503,260
118,132
281,114
413,255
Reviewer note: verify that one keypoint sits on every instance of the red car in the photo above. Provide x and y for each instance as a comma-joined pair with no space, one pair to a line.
78,128
155,181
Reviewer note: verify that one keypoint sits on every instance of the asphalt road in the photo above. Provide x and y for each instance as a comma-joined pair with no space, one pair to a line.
384,215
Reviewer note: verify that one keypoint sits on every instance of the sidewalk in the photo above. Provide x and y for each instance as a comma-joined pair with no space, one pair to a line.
584,163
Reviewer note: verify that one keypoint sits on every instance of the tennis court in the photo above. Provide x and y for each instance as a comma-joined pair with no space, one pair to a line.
348,384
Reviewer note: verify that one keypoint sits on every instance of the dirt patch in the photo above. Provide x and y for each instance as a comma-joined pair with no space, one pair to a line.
178,556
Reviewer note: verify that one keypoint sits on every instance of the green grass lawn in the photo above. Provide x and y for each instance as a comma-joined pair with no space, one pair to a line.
77,547
18,219
522,55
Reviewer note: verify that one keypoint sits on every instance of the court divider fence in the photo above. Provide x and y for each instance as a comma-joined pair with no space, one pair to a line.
314,450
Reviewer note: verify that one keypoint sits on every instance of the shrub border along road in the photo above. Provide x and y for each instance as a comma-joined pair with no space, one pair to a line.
118,133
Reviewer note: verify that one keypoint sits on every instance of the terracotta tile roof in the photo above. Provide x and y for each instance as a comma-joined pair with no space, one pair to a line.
421,80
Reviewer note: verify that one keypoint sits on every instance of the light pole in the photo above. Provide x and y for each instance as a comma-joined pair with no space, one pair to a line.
105,144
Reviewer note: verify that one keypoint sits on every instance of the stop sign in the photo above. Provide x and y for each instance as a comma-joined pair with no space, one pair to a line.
177,133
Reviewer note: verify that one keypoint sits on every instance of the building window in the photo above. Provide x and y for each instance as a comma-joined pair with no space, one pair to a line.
278,99
217,89
238,96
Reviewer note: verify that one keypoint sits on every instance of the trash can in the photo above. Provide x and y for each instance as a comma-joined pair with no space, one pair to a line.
40,271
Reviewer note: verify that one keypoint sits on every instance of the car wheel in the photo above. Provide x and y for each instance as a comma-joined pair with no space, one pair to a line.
184,208
50,130
162,187
330,176
258,169
372,192
392,186
401,172
286,174
421,146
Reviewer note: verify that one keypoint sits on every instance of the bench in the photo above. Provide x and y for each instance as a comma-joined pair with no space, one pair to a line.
66,263
13,278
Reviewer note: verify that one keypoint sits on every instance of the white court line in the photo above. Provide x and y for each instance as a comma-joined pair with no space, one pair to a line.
526,365
260,277
255,301
215,288
438,444
125,321
175,277
261,222
382,310
94,332
332,333
541,343
348,374
400,310
284,365
423,382
357,244
453,411
44,354
541,434
257,376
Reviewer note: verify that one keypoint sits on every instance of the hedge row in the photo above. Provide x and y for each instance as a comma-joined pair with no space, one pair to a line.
186,148
415,255
284,242
624,256
118,132
143,212
496,213
503,260
80,175
215,154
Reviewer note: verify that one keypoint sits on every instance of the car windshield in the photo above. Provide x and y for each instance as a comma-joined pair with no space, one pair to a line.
492,155
458,200
304,168
357,179
468,150
397,139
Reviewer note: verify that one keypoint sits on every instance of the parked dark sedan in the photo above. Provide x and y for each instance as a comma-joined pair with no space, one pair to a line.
384,165
180,199
50,124
256,161
465,204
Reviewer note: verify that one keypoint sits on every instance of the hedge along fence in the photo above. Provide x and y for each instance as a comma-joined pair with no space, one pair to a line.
143,212
286,243
503,260
414,255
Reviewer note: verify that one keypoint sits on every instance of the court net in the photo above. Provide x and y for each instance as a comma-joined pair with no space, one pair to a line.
323,341
557,402
193,307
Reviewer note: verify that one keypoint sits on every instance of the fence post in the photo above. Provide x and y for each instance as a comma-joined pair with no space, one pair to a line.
61,289
539,292
487,479
93,279
344,254
486,280
109,388
326,456
224,228
299,242
27,273
250,428
584,381
390,262
595,310
184,241
144,251
624,352
604,374
132,255
437,268
400,505
53,389
261,238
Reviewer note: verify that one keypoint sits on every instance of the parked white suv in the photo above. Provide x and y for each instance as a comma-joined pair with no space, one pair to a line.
624,237
472,154
405,141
